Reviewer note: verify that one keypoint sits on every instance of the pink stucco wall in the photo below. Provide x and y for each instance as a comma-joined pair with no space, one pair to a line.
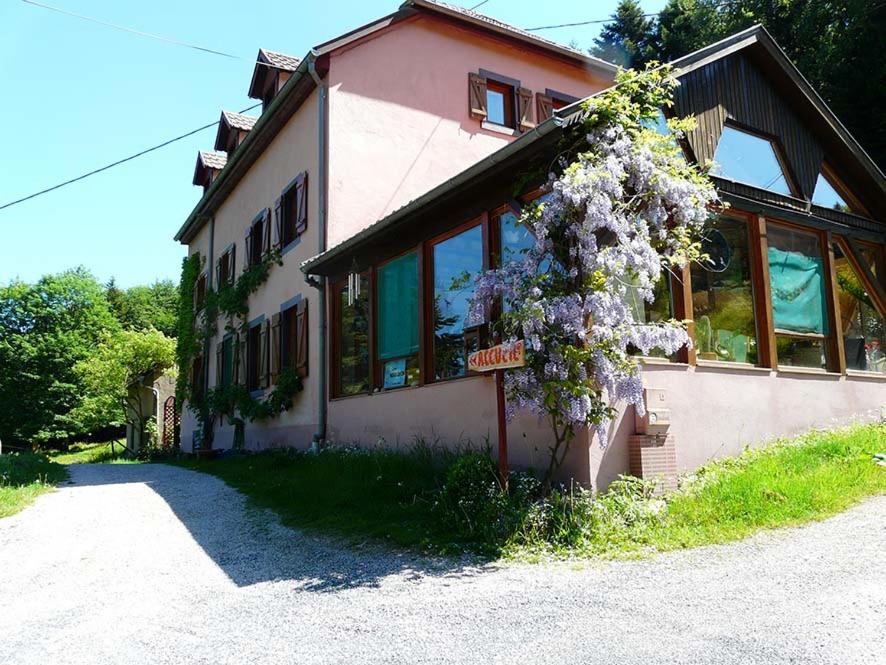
398,113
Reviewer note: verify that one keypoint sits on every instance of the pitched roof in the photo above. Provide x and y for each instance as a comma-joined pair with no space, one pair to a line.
208,160
481,20
238,120
278,60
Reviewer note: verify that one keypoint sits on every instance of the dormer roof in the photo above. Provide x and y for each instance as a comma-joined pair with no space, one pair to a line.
207,162
265,62
229,123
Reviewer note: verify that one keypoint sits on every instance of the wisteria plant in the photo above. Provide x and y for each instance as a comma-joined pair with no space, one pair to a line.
625,207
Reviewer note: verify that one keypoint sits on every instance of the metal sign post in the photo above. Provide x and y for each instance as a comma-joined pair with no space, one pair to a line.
497,359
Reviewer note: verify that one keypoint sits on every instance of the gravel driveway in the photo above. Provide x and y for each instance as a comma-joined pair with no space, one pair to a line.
155,564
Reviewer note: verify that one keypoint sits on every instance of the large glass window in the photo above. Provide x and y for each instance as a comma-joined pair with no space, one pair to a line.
659,310
353,337
722,296
456,262
799,307
398,342
827,196
515,238
750,159
863,326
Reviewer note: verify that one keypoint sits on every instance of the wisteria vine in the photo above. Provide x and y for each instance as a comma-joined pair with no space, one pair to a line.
623,208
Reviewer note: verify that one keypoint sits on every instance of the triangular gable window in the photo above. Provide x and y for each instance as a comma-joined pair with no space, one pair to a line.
750,159
827,196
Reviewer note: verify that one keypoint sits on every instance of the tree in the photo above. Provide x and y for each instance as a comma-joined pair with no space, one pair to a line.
625,208
626,40
144,307
45,330
120,360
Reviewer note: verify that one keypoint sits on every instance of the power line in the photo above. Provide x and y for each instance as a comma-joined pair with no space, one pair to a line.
117,163
611,19
479,4
133,31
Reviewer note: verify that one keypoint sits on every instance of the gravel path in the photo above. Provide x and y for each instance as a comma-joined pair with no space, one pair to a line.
155,564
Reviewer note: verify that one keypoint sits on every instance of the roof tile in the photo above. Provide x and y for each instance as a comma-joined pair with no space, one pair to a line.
239,121
279,60
213,160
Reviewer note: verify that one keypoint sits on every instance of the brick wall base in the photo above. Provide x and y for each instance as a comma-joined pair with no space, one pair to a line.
654,458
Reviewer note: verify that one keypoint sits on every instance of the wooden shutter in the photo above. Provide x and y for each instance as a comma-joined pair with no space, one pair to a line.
278,223
544,107
266,233
275,347
232,265
477,96
524,109
301,202
301,338
218,270
263,349
219,363
248,241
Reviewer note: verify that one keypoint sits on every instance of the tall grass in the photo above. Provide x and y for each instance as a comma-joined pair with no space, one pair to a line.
24,477
92,453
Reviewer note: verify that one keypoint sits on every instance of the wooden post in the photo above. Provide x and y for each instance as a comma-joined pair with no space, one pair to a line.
502,428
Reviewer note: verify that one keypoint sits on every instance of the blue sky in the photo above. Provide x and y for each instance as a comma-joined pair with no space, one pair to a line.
79,95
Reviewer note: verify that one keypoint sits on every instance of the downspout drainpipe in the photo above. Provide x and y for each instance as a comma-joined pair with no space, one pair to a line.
322,132
210,274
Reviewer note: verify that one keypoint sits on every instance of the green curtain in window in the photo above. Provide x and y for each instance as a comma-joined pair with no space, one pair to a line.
798,296
398,307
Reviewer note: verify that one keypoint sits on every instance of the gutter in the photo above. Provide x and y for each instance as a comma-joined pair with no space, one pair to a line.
322,217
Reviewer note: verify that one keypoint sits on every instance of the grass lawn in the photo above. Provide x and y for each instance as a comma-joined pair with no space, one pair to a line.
91,453
391,496
24,477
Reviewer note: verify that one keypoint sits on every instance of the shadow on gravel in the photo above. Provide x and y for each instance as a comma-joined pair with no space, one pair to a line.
251,546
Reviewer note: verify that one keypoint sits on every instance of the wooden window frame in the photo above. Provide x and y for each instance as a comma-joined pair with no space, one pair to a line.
335,313
427,278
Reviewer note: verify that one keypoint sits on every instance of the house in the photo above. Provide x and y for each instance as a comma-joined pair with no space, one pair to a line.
150,412
788,319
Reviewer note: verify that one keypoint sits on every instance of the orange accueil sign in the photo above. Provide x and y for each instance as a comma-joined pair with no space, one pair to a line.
501,356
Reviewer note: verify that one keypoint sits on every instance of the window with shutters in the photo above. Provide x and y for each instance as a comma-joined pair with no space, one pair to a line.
225,362
500,101
293,211
254,356
293,347
258,238
200,292
225,270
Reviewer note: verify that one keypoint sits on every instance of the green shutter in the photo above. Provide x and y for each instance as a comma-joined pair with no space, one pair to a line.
398,307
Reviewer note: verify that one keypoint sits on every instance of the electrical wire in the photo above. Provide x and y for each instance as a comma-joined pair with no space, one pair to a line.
133,31
117,163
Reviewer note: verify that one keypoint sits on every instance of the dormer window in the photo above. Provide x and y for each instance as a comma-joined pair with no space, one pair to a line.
272,71
750,159
209,165
232,131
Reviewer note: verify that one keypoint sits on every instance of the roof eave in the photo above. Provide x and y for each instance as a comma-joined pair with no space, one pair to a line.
215,195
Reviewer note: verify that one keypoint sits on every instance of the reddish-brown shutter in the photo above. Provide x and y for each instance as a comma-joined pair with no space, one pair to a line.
219,363
263,350
524,109
301,201
266,232
278,222
544,107
301,338
275,347
232,264
477,96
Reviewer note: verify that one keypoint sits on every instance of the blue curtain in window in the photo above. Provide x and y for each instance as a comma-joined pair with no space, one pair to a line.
798,296
398,307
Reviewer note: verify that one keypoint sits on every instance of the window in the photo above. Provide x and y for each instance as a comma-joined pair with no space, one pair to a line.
515,238
500,103
750,159
200,292
827,196
456,262
660,309
722,295
863,325
197,378
397,326
225,362
256,356
224,266
293,345
292,211
352,324
258,238
799,310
